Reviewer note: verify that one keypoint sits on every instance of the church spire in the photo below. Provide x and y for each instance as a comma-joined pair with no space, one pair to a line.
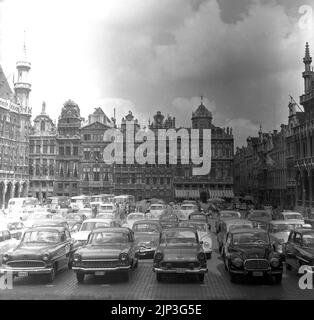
307,58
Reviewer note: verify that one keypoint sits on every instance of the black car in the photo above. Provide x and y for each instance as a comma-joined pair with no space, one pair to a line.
249,252
299,250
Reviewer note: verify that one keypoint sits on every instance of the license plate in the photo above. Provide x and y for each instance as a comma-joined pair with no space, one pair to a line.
180,270
257,274
100,273
22,274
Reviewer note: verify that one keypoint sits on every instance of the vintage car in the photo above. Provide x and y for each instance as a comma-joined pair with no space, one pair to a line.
200,216
87,212
73,218
50,223
34,217
133,217
42,251
168,220
146,234
249,252
204,234
279,231
109,217
180,252
185,210
299,249
156,210
109,208
259,216
309,219
7,241
89,225
107,250
227,225
291,216
226,214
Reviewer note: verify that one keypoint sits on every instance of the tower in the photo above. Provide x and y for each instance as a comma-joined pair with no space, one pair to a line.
308,73
22,87
202,117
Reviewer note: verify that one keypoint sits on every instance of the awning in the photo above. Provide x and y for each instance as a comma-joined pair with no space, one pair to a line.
187,194
224,193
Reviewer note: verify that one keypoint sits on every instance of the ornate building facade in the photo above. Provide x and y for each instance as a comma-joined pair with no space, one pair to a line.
42,156
15,117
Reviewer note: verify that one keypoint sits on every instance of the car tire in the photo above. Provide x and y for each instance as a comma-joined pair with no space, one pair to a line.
208,255
159,277
278,278
80,277
201,277
52,275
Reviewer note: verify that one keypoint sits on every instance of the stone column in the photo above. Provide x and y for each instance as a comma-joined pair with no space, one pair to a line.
303,188
310,186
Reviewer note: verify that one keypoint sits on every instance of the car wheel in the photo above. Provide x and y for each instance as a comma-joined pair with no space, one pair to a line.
201,277
52,275
80,277
278,278
159,277
208,255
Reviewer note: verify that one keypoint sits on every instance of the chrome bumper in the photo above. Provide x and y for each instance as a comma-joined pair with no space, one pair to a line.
194,271
247,272
30,271
93,270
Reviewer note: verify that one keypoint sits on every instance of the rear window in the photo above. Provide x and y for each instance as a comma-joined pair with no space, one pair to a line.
147,227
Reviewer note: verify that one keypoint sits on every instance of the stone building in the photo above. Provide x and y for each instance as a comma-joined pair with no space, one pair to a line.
15,115
42,156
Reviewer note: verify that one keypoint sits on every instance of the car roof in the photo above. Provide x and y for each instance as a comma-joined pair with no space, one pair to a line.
179,229
113,229
276,222
57,228
244,230
193,221
94,219
147,221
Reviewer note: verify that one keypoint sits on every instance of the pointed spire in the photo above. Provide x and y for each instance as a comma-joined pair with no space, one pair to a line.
43,108
307,58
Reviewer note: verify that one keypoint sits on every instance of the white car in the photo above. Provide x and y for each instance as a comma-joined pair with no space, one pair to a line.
87,212
155,211
87,226
109,217
204,235
31,219
185,210
291,216
132,217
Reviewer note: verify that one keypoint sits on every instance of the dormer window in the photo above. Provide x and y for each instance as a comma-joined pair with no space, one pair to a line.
42,126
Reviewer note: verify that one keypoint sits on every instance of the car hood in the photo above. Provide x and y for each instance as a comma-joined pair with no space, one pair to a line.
31,250
180,253
81,235
107,251
253,252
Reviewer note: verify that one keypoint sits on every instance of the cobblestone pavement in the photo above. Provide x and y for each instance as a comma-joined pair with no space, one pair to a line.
143,285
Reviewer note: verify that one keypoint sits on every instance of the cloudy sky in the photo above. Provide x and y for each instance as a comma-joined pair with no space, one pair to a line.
244,57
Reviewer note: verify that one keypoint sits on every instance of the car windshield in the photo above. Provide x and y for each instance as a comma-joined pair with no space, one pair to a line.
198,217
106,208
135,217
201,227
308,239
100,238
251,238
145,227
187,208
284,227
228,214
294,216
175,237
41,236
169,218
89,226
240,226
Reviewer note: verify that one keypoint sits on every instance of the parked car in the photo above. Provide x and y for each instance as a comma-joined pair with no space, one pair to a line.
249,252
279,231
87,212
156,210
260,216
299,249
185,210
50,223
110,217
291,216
199,216
204,234
36,216
132,218
180,252
146,234
107,250
226,214
74,218
227,225
42,251
168,220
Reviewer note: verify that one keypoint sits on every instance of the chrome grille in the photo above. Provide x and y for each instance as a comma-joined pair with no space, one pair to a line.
26,264
177,264
256,264
99,264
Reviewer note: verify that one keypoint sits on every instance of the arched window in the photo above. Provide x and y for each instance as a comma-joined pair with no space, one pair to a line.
42,126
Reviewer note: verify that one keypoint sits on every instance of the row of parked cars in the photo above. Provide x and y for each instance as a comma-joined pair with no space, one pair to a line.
108,243
259,246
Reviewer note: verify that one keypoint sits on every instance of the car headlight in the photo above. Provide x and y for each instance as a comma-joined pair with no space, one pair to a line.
274,262
77,257
124,257
5,258
238,262
158,256
45,257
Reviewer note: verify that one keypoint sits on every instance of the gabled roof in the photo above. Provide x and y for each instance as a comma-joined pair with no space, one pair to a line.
5,90
95,125
202,112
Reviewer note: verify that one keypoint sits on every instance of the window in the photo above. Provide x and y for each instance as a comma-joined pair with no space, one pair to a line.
44,184
97,154
87,137
68,151
75,151
85,174
42,126
96,172
86,153
61,151
298,238
38,148
168,180
161,180
52,148
60,185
